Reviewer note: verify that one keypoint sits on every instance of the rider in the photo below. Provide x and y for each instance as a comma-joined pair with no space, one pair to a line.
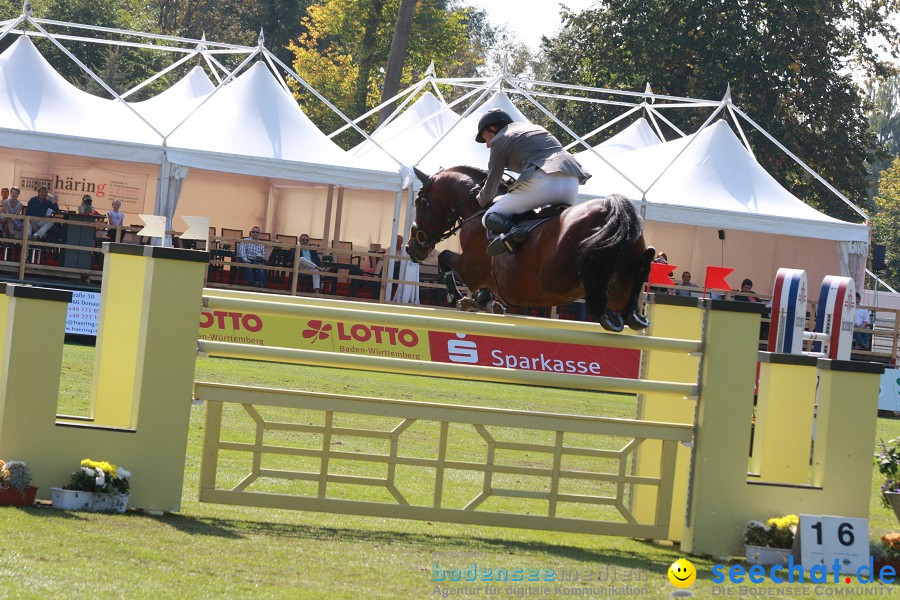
548,174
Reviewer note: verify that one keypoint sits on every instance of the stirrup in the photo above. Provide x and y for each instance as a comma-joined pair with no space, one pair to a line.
500,244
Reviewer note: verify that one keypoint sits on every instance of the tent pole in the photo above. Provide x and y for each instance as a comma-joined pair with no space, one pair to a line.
326,230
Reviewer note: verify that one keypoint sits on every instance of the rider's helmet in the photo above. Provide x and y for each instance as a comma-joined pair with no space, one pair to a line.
495,116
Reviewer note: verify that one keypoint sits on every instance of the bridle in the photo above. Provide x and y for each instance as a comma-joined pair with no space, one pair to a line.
451,222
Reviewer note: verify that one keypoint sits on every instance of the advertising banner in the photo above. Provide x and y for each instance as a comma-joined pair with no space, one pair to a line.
889,394
83,313
72,183
359,337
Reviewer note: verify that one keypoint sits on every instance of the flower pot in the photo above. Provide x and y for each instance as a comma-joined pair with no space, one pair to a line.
71,499
116,503
893,499
10,496
762,555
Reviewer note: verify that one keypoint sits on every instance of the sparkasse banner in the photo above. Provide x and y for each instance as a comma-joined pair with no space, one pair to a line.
359,337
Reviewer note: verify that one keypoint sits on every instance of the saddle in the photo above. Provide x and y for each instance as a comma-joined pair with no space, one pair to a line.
525,223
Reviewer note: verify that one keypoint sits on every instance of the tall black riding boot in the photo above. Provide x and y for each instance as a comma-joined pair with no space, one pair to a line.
501,236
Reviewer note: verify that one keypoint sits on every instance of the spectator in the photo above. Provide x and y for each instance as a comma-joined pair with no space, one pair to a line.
250,251
747,292
12,206
686,282
662,259
41,206
861,320
116,218
310,260
4,194
87,206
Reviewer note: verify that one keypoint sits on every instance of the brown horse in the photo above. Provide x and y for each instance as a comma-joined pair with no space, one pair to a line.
593,250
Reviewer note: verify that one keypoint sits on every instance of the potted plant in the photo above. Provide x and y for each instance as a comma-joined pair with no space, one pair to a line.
97,486
888,463
15,484
770,543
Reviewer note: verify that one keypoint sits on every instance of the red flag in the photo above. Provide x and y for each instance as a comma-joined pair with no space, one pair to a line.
661,274
715,278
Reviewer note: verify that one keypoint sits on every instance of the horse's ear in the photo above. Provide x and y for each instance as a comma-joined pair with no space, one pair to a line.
422,176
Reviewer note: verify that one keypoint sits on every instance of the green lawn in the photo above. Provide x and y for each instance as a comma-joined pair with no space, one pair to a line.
211,550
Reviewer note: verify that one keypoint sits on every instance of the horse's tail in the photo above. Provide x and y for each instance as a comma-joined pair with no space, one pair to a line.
603,250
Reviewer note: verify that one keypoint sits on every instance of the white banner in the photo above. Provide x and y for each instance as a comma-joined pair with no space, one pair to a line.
889,395
72,183
83,313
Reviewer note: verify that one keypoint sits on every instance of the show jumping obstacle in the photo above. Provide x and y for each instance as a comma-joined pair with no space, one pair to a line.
678,471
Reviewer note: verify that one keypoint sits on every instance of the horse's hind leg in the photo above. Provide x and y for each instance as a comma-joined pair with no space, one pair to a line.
445,264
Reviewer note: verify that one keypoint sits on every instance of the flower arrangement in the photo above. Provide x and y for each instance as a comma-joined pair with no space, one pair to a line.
100,477
777,532
888,463
14,474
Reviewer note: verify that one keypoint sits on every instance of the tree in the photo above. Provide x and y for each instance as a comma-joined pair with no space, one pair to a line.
343,42
884,122
397,55
788,63
886,221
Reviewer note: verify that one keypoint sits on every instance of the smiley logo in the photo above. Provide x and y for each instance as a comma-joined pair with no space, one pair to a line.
682,573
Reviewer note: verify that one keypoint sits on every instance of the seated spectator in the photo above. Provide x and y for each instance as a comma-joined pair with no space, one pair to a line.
861,320
249,251
41,206
311,261
747,292
11,227
686,282
87,206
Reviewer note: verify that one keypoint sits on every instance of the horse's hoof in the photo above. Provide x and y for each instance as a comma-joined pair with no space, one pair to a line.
612,321
637,321
496,308
467,305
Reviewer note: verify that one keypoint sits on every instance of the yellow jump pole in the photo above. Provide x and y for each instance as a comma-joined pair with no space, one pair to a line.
670,317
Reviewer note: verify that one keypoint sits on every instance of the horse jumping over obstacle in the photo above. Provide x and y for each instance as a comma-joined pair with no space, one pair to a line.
593,250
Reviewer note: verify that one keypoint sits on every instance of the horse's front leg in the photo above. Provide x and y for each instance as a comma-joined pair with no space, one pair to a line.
446,260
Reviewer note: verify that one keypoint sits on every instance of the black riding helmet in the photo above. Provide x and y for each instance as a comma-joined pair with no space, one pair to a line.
495,116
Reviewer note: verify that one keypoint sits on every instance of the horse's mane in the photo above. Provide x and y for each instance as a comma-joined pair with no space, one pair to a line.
478,175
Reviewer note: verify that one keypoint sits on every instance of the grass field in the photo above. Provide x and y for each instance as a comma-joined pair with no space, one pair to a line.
210,550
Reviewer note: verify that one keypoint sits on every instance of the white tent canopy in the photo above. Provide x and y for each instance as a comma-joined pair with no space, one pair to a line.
637,135
40,110
252,126
169,108
411,134
711,181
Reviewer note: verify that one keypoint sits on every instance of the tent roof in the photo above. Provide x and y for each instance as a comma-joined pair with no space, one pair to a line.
460,147
637,135
714,181
168,108
411,133
253,126
55,116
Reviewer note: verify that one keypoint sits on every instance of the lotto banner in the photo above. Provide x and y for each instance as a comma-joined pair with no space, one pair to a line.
358,337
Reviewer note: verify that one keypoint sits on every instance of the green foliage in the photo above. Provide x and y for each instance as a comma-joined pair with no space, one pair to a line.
886,221
344,40
99,476
888,464
787,64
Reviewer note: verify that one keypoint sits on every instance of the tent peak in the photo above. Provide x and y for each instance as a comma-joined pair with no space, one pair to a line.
262,38
26,8
727,97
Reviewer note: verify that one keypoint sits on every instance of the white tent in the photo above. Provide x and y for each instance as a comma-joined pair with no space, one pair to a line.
40,110
169,108
411,134
637,135
711,181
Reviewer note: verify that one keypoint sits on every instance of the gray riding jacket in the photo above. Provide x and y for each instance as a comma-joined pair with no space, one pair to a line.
525,148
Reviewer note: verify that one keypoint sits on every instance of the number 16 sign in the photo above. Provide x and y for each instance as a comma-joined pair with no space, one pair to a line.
824,539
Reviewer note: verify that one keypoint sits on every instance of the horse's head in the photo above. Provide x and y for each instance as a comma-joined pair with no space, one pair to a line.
442,204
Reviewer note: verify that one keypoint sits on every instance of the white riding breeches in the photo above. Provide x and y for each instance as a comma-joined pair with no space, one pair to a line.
542,188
